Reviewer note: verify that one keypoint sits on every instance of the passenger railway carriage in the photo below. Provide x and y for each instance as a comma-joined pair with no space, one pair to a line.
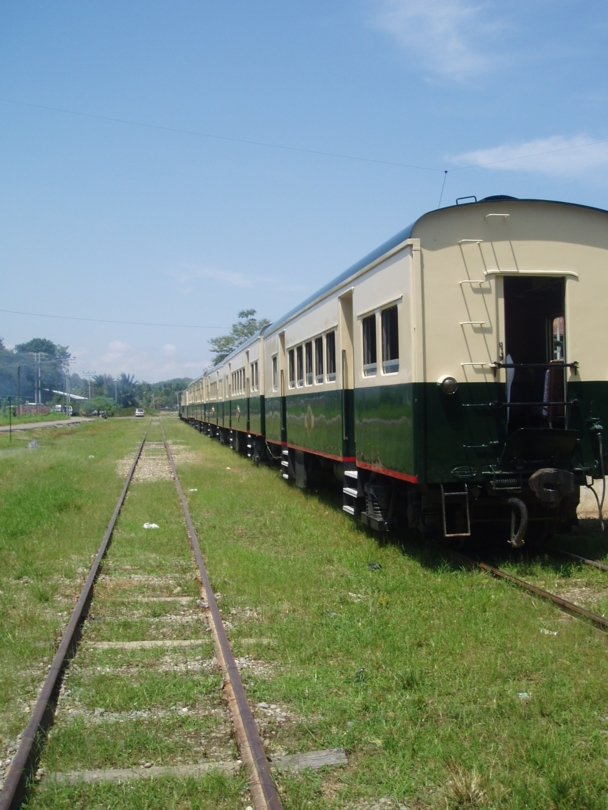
457,375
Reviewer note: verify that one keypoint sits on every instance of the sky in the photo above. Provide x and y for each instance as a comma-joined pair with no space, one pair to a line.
165,164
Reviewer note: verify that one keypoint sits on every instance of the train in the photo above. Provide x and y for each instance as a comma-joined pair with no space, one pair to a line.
451,382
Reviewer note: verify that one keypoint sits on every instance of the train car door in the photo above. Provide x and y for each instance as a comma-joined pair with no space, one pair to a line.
535,352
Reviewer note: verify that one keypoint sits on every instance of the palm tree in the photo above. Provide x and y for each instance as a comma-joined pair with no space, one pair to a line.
127,390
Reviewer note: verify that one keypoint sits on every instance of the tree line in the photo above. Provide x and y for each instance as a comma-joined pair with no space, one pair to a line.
37,373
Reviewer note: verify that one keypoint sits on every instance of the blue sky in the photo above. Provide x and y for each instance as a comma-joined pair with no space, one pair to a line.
169,163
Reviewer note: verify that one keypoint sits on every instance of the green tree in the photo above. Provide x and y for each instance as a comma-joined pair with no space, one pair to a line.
44,346
127,391
104,386
40,367
246,326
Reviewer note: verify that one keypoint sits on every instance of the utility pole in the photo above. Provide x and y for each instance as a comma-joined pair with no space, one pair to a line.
38,397
38,375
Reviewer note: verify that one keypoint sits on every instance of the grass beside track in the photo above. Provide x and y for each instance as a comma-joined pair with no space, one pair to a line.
447,689
57,491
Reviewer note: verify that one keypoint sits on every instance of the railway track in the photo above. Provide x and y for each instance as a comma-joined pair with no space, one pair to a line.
112,597
598,621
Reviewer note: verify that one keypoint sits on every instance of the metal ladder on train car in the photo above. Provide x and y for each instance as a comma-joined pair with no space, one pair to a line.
352,499
455,510
483,449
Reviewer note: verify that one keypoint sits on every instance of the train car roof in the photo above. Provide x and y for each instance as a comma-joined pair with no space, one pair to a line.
397,239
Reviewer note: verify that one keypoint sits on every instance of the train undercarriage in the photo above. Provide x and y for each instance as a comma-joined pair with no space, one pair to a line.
531,491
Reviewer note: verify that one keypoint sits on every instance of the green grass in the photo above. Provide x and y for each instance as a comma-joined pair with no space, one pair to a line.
159,742
446,688
215,792
55,500
109,711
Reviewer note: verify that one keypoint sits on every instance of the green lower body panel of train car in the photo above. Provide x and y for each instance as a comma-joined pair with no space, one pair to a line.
385,430
273,408
314,422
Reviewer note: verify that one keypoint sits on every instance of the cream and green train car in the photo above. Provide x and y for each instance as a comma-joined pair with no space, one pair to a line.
501,420
243,426
453,379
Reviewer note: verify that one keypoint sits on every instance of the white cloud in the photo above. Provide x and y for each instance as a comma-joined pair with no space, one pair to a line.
116,351
148,364
227,278
558,156
449,38
188,278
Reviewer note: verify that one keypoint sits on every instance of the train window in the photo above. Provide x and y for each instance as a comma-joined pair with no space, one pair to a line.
330,352
300,365
319,359
370,353
390,340
292,368
254,376
275,372
308,359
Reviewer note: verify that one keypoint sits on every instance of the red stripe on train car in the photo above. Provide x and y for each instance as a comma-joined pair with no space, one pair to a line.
377,468
341,459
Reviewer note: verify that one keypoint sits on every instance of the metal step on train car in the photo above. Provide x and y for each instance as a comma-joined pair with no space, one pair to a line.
454,378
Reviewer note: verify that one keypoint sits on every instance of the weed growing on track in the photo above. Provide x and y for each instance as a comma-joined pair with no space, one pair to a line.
216,792
446,688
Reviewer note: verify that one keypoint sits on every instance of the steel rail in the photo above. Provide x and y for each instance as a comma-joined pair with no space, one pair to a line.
263,788
600,622
25,761
584,560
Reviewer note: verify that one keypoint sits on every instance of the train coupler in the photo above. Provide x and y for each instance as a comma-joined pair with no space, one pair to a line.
551,486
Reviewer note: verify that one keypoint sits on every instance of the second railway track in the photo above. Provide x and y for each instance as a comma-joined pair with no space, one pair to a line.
142,696
567,605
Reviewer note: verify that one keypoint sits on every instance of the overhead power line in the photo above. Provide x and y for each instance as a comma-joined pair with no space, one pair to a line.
300,149
109,320
229,138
